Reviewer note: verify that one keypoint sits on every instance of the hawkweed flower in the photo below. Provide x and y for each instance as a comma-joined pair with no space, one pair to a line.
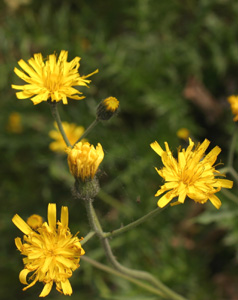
233,100
52,253
183,133
107,108
72,131
35,221
52,79
191,175
84,160
14,123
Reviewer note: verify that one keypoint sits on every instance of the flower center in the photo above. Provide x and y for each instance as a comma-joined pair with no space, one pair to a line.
189,177
53,82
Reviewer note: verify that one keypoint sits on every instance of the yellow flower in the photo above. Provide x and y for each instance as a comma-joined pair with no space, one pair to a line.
234,106
14,123
73,133
34,221
51,79
84,160
52,253
192,175
107,108
183,133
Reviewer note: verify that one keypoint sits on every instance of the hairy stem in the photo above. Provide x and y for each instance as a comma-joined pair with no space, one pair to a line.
232,148
229,195
233,173
56,116
87,237
93,124
151,214
95,224
114,272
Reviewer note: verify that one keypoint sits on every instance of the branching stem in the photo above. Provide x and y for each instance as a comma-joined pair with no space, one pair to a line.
96,226
150,215
86,132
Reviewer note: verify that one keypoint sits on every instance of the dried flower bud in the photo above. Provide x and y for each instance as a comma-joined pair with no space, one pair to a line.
107,108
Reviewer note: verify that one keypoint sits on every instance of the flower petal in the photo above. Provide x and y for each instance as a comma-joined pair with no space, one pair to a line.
66,287
52,215
156,147
21,224
65,216
46,290
215,201
23,274
163,201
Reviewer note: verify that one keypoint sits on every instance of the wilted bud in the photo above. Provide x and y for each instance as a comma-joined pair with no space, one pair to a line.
84,160
35,221
107,108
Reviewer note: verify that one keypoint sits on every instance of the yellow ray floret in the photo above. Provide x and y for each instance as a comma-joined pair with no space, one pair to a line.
53,79
52,253
191,175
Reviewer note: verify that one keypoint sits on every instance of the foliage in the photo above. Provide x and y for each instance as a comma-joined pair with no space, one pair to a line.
146,52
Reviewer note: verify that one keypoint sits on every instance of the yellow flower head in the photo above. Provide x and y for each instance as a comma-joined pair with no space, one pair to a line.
52,253
52,79
73,133
34,221
183,133
84,160
14,123
234,106
107,108
192,175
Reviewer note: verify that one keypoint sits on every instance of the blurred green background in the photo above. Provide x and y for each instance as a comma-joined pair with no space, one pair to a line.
171,64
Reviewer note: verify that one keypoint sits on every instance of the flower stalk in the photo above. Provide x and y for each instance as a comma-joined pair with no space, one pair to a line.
119,274
132,225
96,226
232,147
56,116
86,132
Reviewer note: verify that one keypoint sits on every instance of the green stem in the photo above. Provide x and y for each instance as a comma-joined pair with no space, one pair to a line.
130,272
151,214
229,195
87,237
93,124
224,170
114,272
233,172
230,170
92,217
232,148
56,116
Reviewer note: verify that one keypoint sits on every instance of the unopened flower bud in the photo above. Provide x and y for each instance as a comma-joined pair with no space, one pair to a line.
107,108
84,160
